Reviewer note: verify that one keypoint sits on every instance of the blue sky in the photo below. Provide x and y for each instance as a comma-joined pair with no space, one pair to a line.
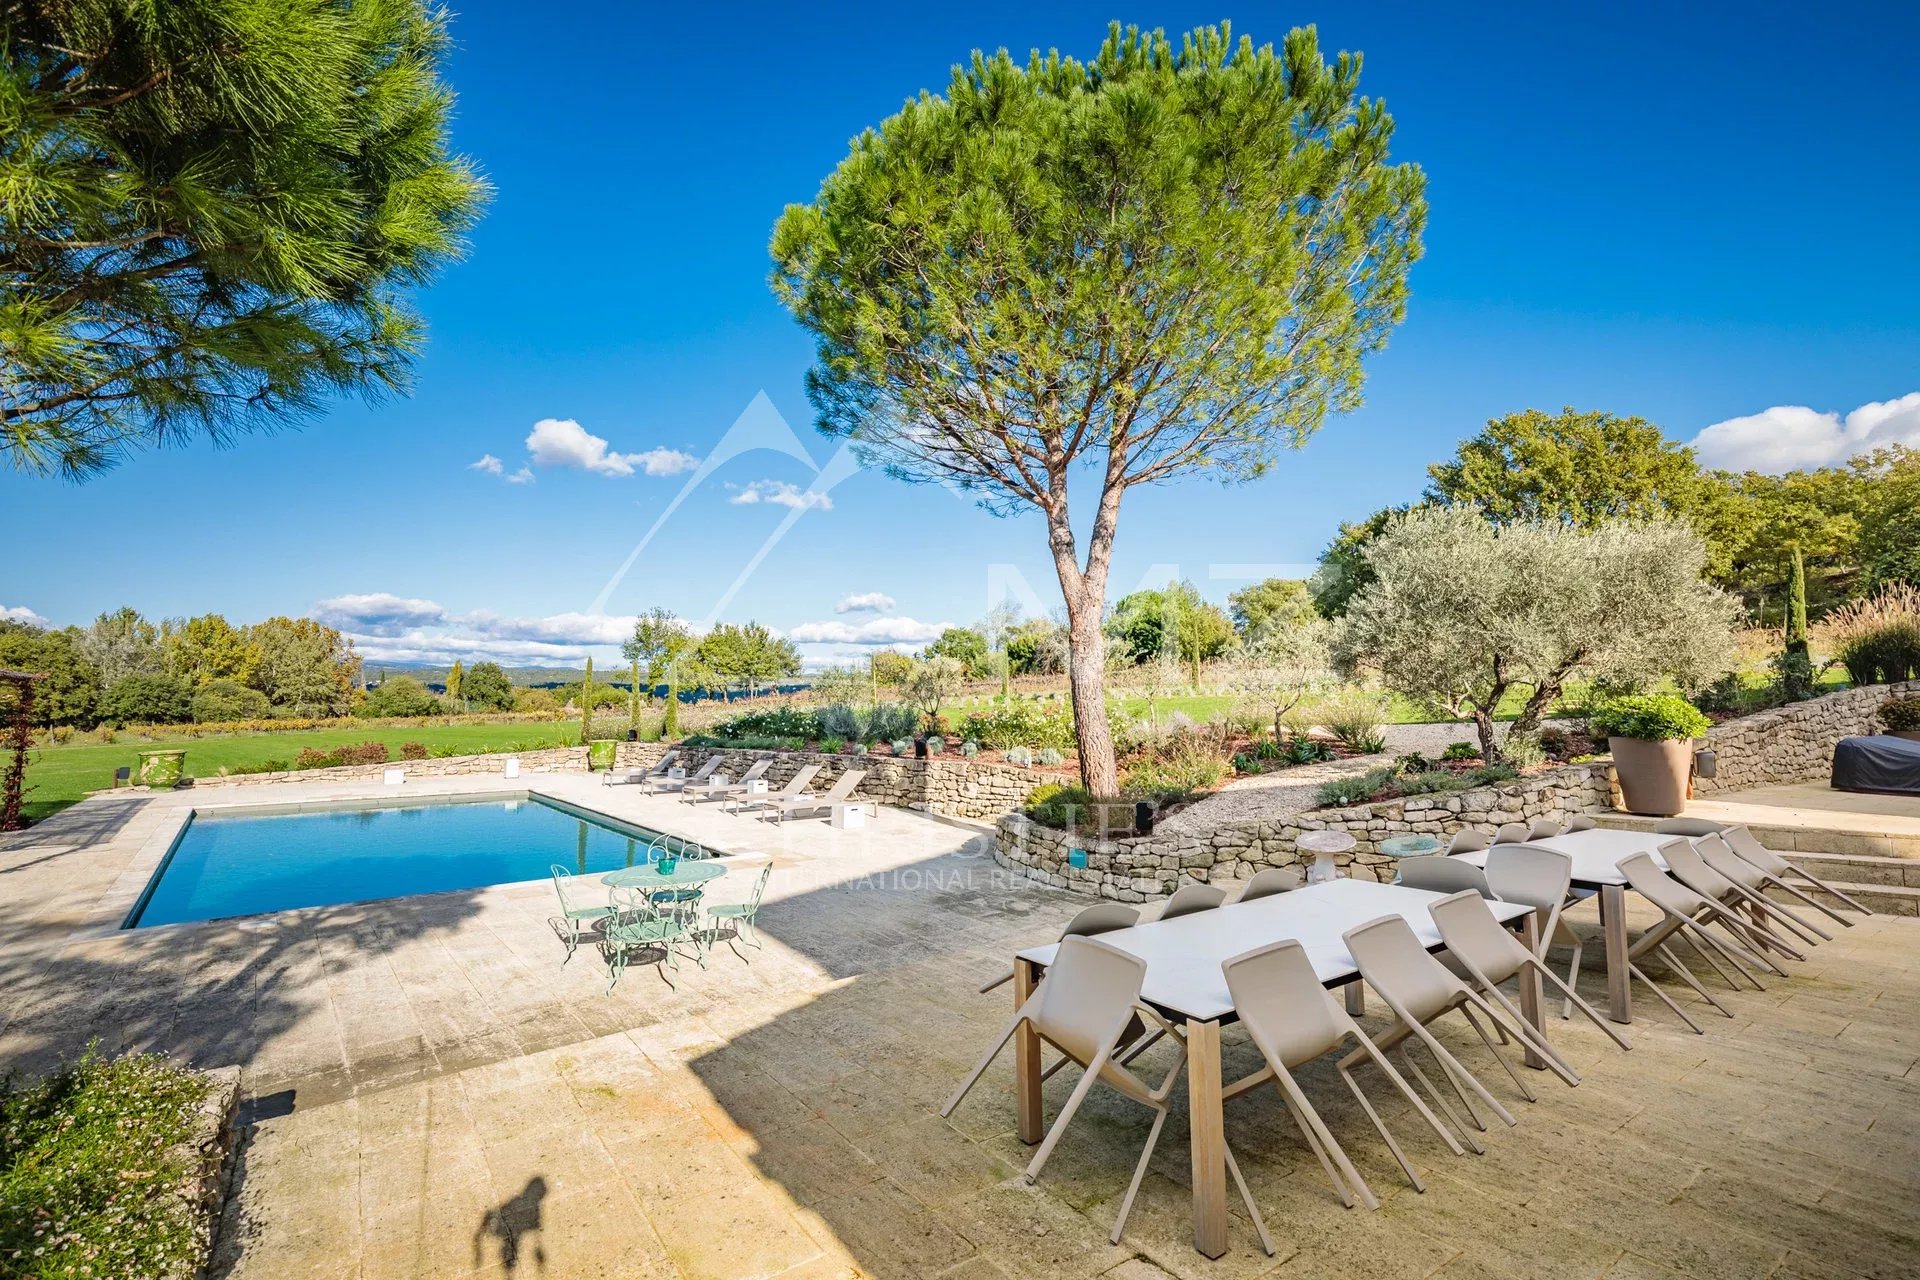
1694,214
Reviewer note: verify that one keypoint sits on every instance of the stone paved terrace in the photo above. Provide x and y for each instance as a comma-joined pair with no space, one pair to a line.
432,1094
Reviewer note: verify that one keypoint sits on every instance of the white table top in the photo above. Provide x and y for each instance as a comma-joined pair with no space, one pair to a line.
1596,852
1184,955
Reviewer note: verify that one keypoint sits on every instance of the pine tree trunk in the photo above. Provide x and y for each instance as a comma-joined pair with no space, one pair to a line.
1086,678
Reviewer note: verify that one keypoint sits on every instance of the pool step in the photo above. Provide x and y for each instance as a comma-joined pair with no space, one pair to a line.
1883,899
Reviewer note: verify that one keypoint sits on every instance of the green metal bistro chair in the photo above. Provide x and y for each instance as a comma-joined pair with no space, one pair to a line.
744,915
574,920
637,925
683,900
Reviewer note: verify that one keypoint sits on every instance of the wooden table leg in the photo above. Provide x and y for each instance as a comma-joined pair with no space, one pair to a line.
1356,997
1026,1057
1613,925
1208,1124
1531,1004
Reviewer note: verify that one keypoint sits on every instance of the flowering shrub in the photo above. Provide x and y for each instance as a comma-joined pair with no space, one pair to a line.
1021,724
98,1176
1653,717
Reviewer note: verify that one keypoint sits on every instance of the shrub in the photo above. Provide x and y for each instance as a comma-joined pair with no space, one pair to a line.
98,1174
1655,717
935,744
1878,639
352,753
1175,773
859,748
775,722
1356,789
1524,750
838,720
1019,755
969,748
413,751
1412,762
1460,751
1354,716
1489,774
1020,724
220,700
1050,757
1307,751
1900,715
1062,807
901,746
400,696
146,699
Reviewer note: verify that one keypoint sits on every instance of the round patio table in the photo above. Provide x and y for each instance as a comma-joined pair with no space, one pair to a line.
1323,845
687,871
1409,846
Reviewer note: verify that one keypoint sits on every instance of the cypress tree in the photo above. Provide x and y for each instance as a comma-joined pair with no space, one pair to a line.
1796,664
586,704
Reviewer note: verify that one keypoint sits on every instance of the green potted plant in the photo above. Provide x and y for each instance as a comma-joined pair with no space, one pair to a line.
161,770
1901,716
1651,738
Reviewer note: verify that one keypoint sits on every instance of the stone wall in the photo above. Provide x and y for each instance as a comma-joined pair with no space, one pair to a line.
1138,868
1794,743
955,788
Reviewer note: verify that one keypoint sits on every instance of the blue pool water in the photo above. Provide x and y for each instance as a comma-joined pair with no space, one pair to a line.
232,865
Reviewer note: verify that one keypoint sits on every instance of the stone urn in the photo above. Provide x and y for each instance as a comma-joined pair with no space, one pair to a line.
1653,775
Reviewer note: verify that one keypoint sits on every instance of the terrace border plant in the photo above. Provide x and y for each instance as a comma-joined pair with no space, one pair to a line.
1651,738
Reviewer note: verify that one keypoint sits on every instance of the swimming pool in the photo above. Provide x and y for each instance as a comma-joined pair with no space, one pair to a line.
251,861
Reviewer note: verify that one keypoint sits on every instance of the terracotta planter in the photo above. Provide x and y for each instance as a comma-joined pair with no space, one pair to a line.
1653,775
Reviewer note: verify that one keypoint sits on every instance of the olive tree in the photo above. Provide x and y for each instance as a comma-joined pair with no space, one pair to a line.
935,681
1286,664
1163,260
1460,612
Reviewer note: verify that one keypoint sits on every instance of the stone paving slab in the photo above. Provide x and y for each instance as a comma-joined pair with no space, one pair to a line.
432,1093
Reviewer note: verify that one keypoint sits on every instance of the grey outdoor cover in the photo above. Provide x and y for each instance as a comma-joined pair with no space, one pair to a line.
1879,763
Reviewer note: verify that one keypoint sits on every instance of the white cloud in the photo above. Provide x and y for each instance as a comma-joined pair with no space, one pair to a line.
781,494
865,602
1795,438
20,613
562,442
391,628
488,465
878,631
378,613
523,476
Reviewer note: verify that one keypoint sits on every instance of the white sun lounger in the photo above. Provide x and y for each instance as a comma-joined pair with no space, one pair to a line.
659,770
796,786
696,791
840,795
675,784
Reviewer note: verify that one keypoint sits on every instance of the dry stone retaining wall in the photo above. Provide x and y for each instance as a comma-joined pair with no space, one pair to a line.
1140,868
955,788
1793,743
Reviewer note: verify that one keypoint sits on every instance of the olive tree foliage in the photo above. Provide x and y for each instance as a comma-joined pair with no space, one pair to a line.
1166,259
210,214
1459,612
1281,667
934,682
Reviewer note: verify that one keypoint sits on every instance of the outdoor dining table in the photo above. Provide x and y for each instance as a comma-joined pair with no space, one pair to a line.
686,871
1596,854
1184,981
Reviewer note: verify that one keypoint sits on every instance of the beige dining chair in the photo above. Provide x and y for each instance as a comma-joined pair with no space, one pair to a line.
1419,990
1468,840
1684,914
1269,882
1542,879
1511,833
1488,951
1192,897
1083,1007
1751,882
1293,1020
1088,922
1580,822
1748,846
1685,864
1543,829
1442,873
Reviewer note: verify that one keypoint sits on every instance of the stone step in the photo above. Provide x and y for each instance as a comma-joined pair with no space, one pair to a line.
1884,899
1859,868
1786,839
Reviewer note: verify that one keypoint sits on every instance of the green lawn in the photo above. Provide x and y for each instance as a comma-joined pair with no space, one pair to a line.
61,775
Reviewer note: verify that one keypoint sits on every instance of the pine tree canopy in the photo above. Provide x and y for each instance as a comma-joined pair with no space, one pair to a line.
210,211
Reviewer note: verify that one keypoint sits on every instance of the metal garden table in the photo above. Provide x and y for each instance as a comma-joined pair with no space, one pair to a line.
687,871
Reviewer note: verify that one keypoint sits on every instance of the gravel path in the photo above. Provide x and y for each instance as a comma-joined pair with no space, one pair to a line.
1284,792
